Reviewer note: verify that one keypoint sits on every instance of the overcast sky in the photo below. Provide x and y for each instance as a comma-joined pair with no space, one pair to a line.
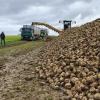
15,13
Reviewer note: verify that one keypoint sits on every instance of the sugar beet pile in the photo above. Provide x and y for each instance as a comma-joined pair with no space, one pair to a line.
72,62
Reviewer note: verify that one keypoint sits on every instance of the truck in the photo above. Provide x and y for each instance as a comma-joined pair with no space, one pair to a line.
29,32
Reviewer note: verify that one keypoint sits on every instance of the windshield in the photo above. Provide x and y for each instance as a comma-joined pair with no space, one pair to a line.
26,29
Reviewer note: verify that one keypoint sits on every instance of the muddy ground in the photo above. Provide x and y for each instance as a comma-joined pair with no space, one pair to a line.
18,80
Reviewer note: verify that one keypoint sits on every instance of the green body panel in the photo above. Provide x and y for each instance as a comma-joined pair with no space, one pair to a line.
26,33
43,33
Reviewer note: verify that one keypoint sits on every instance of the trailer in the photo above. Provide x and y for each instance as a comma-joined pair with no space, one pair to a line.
29,32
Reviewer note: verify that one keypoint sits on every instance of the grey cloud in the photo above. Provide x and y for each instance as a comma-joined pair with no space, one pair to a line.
19,12
16,6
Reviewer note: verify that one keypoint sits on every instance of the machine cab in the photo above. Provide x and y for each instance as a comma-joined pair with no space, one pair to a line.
67,24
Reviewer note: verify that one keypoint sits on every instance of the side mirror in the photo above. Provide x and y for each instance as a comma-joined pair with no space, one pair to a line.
60,21
74,22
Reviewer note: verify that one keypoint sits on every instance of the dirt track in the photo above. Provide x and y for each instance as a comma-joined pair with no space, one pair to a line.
19,82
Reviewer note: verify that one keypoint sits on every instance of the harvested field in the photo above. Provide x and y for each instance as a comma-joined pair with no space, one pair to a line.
71,63
18,80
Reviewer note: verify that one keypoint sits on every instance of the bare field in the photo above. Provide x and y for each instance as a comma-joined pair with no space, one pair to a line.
17,76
